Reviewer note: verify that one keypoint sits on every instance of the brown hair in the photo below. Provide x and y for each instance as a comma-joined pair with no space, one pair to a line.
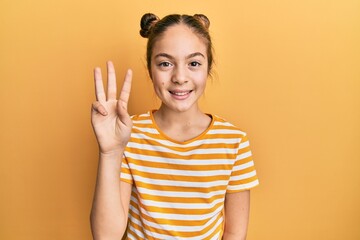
152,28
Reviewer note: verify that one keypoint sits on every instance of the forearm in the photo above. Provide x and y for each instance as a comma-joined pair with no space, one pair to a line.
237,206
234,236
108,216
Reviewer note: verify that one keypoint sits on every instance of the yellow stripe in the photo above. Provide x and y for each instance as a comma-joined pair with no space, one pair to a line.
179,188
180,177
225,166
200,156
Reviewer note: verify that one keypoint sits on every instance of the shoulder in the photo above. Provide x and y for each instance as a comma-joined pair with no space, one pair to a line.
144,118
221,124
143,123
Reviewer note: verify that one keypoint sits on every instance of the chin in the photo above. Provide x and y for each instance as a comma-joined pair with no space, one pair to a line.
179,106
182,109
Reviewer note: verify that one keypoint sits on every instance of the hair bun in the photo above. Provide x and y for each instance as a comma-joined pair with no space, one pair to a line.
203,19
147,21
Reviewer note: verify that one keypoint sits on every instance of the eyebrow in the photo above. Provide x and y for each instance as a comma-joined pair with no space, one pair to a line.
187,57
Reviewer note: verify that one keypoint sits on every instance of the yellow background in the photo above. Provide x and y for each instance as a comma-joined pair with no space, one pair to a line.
287,72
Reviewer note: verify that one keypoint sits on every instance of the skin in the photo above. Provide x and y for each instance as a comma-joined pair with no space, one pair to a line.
179,73
112,127
237,206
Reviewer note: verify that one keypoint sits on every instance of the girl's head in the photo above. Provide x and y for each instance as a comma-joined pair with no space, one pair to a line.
179,58
154,28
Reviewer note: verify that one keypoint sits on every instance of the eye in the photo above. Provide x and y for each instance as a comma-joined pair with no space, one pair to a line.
195,64
164,64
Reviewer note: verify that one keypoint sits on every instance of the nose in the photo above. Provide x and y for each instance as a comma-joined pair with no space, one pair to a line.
179,76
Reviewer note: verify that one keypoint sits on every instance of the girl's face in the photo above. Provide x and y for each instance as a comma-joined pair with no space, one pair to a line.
179,68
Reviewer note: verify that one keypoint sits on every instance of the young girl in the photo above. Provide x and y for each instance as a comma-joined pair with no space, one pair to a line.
184,174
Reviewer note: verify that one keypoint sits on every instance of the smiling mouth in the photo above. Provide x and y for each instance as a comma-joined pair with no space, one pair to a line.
180,93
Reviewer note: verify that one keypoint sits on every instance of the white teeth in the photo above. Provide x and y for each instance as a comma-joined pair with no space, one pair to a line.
179,93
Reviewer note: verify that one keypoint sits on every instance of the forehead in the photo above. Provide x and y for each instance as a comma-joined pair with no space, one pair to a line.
179,40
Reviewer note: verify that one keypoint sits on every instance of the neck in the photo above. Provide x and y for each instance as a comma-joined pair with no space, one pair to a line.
181,126
166,116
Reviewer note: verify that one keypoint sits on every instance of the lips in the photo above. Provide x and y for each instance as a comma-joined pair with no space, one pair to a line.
180,94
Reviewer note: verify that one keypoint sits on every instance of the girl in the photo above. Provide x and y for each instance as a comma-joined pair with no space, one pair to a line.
184,174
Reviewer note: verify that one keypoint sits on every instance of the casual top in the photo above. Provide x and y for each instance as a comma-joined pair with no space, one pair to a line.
179,187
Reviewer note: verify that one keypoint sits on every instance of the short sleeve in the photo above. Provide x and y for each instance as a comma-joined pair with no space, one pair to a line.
125,173
243,175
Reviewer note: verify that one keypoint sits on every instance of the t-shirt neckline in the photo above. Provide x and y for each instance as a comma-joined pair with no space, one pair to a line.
151,113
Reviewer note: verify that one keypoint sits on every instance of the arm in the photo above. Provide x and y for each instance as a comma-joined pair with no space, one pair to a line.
112,126
111,201
237,206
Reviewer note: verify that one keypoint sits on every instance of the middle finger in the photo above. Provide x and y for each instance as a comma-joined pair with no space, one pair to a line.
111,91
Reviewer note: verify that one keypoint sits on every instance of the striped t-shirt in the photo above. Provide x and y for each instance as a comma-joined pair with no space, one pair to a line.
179,187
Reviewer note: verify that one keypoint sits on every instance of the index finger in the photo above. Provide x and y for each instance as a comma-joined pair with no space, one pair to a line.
99,87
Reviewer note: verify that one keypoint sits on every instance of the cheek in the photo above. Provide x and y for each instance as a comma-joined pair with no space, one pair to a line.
202,77
158,83
159,78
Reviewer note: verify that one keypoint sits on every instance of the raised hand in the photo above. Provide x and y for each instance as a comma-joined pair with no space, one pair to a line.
110,119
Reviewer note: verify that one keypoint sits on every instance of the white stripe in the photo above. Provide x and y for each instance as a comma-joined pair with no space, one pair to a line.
143,115
243,166
138,233
151,224
130,236
216,123
145,121
174,216
163,236
187,153
177,227
191,144
220,221
147,130
160,236
173,205
243,176
219,140
185,217
243,155
244,186
225,131
180,183
180,194
137,222
244,145
124,164
164,142
216,236
168,237
181,172
125,176
179,161
132,208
